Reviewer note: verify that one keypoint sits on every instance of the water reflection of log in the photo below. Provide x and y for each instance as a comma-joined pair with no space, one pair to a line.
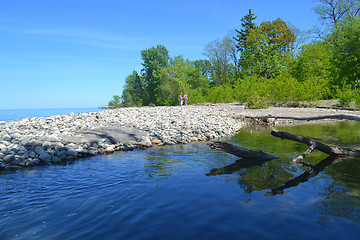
241,152
249,158
239,164
311,171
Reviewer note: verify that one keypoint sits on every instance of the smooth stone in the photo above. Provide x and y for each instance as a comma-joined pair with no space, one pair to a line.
32,154
9,158
35,161
39,150
145,141
55,159
110,149
156,141
17,161
71,153
45,157
46,145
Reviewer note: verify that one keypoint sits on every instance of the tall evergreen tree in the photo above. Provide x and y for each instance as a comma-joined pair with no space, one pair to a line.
247,24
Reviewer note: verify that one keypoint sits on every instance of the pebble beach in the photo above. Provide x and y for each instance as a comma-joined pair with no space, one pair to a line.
58,139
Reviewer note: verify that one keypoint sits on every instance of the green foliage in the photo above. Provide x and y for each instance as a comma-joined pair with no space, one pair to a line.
222,59
135,90
154,60
220,94
115,102
247,24
267,49
284,88
163,79
258,66
349,97
257,102
345,52
313,61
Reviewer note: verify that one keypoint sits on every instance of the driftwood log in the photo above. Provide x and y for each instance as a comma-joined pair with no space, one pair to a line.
270,120
314,144
260,157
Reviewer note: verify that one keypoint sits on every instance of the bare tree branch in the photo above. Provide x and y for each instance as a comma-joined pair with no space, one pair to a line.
307,152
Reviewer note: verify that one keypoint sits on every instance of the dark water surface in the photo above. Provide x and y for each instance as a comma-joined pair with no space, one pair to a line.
164,193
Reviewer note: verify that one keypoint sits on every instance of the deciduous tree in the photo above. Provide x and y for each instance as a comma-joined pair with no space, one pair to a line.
220,54
268,47
344,45
332,11
154,60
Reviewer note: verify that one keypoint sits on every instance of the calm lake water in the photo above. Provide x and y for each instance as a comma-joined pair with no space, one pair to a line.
12,114
165,193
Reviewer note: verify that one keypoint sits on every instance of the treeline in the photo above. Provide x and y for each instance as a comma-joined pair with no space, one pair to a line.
259,64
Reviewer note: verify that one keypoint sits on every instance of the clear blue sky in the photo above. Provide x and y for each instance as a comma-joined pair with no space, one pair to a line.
77,53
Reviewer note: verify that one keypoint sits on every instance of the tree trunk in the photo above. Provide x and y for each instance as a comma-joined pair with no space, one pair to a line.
332,151
269,120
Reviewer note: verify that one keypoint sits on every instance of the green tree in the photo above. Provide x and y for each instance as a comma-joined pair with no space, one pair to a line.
344,46
313,62
135,90
115,101
154,60
179,77
267,49
247,24
220,55
204,66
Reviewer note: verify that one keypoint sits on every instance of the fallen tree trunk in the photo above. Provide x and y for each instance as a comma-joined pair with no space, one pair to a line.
314,144
269,120
241,152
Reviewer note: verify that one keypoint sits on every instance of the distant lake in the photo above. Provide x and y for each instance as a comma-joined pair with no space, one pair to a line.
12,114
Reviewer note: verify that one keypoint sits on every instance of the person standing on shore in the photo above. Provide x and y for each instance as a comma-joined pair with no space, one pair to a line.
185,98
181,100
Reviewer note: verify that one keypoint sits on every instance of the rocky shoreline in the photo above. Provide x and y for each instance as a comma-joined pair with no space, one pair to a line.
58,139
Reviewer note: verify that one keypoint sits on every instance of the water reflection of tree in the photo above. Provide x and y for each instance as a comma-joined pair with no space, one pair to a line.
266,176
340,199
278,174
259,176
162,163
337,201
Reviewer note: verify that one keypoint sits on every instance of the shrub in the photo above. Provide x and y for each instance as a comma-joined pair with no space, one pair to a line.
257,102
